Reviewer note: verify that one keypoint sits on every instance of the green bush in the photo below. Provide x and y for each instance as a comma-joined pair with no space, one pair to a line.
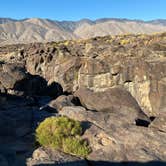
76,146
62,133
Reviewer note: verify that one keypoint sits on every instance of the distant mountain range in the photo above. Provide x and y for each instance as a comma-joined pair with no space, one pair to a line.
44,30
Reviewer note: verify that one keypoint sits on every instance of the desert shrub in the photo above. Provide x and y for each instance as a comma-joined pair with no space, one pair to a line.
76,146
66,43
124,41
76,75
52,130
59,132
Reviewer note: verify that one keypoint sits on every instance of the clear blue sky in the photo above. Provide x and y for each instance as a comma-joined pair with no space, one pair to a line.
78,9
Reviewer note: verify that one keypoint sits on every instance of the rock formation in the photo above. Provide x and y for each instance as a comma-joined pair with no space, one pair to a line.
115,86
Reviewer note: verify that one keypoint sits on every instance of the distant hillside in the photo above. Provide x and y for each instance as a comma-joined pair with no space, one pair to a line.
44,30
6,20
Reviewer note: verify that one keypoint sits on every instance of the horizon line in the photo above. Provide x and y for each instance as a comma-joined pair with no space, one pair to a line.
97,19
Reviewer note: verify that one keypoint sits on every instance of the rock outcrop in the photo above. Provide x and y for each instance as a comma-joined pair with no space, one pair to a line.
115,86
135,62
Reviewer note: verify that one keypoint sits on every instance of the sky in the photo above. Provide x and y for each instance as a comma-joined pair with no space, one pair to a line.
79,9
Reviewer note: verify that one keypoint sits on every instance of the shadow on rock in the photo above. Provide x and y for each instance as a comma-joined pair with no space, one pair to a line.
105,163
14,79
85,125
20,115
36,85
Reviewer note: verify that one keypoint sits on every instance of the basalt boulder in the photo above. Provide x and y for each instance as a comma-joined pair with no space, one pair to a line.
117,101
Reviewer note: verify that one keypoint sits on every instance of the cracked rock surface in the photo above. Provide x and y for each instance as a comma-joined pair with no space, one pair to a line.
116,89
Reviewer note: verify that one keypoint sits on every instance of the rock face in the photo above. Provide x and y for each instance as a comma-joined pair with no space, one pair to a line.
116,87
138,75
135,62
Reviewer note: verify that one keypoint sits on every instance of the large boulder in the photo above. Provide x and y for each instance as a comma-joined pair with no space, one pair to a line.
128,144
116,101
108,121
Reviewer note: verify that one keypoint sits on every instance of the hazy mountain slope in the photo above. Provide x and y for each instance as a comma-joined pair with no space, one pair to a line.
71,26
31,31
54,30
116,27
43,30
6,20
158,22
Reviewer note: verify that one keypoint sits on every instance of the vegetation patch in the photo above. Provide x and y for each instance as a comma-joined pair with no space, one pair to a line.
124,41
63,134
76,146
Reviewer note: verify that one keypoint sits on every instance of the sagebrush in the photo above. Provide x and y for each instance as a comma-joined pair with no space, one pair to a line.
62,133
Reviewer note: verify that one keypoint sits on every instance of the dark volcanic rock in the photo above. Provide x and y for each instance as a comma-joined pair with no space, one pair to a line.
119,80
11,74
131,61
15,80
116,100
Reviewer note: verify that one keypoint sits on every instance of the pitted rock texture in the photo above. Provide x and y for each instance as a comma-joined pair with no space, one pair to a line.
135,62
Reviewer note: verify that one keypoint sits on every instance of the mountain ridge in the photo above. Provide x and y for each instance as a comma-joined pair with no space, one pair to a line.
45,30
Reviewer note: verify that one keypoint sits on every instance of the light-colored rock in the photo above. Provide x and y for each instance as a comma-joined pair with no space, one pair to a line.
47,156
